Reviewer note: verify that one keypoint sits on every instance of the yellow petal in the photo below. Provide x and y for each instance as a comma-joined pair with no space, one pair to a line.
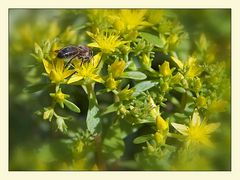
96,59
206,141
97,78
209,128
55,77
59,65
178,62
94,44
74,78
48,67
183,129
196,121
68,73
90,34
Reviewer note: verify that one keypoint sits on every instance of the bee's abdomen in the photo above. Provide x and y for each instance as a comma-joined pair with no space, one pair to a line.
67,52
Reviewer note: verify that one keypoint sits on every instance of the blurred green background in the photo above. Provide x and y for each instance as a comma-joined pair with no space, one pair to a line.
33,144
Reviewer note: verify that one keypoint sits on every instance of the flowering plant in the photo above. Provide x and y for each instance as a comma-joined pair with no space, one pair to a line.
154,93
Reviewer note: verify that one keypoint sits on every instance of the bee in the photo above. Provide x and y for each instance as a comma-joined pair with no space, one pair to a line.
81,52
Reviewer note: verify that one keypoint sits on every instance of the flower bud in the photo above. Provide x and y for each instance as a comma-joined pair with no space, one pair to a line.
79,147
131,35
154,109
48,113
159,138
125,94
146,60
165,69
161,124
123,110
201,101
177,78
117,68
185,84
150,148
125,49
111,84
197,85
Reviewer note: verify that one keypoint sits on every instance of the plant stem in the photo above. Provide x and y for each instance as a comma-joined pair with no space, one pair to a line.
98,137
98,152
90,92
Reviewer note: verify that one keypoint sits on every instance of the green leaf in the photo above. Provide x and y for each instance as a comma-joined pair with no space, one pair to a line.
189,93
153,39
136,75
142,139
93,119
36,87
112,108
71,106
175,101
180,116
143,86
180,89
46,47
38,50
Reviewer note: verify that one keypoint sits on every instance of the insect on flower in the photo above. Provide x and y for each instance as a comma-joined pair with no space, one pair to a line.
81,52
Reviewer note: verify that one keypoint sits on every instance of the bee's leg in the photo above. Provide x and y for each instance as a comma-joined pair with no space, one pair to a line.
81,62
98,63
67,64
92,60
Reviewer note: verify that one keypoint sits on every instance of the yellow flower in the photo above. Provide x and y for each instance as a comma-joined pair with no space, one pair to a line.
56,70
86,71
117,68
165,69
129,20
198,132
106,41
193,68
59,97
155,16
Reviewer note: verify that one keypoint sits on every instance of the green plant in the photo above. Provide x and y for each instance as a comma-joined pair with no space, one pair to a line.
154,97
